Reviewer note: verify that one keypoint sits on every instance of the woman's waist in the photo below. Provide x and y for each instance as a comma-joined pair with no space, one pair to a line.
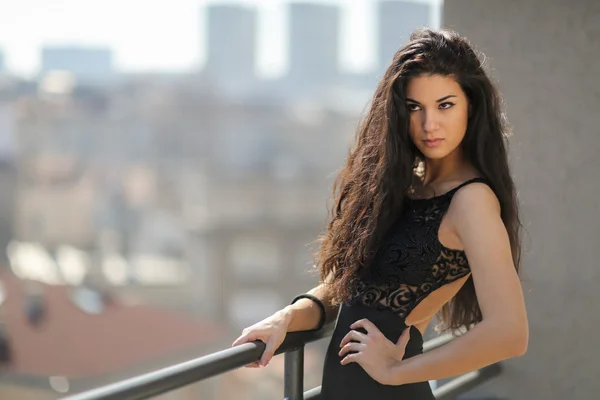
390,324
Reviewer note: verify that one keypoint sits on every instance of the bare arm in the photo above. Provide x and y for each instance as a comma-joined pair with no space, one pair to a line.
305,314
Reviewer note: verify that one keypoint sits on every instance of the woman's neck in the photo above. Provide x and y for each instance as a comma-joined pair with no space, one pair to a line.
450,168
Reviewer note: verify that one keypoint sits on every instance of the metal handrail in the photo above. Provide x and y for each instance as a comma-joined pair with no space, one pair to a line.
182,374
179,375
466,382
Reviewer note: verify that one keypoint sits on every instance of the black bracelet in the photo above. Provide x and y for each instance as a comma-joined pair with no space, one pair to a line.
319,303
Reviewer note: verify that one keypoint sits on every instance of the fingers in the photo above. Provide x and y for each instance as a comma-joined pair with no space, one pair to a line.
271,334
246,337
250,336
353,335
404,338
238,341
352,346
366,324
401,343
354,357
268,353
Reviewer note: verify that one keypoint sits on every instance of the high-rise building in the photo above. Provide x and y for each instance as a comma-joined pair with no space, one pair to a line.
314,43
89,65
232,38
395,22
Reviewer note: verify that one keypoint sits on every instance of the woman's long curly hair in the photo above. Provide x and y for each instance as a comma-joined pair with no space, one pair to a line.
381,168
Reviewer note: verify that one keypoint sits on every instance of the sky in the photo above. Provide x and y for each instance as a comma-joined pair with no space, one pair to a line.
164,35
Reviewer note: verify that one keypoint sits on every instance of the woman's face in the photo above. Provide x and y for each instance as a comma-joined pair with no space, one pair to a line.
439,112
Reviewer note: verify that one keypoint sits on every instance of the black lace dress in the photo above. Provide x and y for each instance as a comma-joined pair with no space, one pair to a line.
410,264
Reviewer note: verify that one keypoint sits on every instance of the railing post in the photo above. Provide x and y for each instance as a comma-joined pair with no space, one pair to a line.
293,379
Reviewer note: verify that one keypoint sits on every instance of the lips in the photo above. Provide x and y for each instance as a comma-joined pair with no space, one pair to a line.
433,142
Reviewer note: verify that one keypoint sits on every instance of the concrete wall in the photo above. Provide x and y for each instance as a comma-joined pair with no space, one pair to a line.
545,54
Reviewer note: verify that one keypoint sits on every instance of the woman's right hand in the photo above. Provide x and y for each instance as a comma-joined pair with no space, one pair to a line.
271,331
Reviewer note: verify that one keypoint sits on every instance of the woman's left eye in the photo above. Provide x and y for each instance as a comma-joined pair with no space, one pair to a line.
446,105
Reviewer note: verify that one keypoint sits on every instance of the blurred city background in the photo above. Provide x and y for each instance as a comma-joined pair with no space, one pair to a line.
165,169
166,166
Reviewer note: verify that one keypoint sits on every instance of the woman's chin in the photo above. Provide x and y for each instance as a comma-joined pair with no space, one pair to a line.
434,154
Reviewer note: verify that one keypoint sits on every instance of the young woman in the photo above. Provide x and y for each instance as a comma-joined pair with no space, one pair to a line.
425,222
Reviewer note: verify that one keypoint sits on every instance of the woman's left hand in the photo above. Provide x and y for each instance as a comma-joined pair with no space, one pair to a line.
373,351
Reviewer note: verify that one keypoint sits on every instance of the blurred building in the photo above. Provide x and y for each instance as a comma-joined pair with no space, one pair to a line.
396,19
175,196
232,42
314,45
66,346
150,166
88,65
8,177
2,62
263,203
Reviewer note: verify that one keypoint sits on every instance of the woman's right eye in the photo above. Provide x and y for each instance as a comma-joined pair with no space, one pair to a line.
413,107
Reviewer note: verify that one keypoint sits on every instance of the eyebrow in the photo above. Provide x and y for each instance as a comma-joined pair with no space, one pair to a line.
437,101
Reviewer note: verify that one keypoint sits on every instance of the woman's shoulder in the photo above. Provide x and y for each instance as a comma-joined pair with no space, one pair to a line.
474,196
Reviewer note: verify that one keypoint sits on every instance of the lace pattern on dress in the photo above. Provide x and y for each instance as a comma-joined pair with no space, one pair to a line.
411,263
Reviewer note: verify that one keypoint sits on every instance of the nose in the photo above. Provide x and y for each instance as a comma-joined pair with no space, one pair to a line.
430,121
